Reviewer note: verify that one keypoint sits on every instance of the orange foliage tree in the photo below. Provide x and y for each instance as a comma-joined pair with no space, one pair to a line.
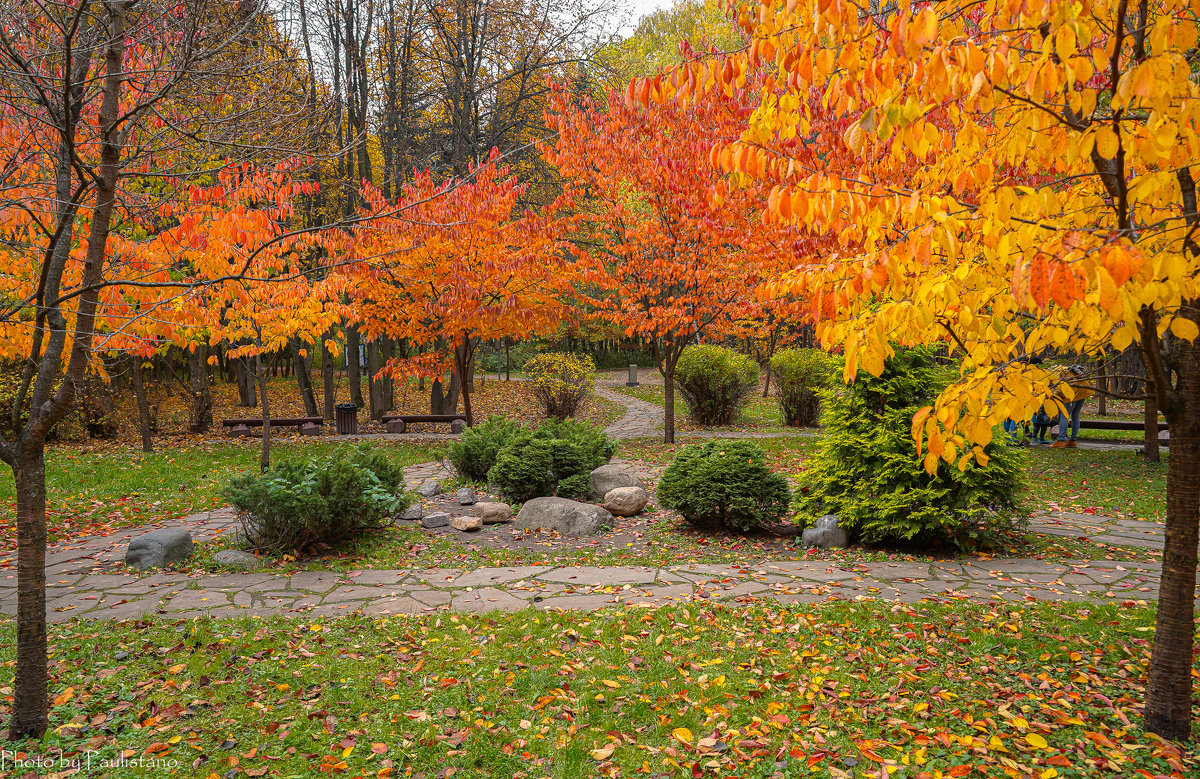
677,250
456,262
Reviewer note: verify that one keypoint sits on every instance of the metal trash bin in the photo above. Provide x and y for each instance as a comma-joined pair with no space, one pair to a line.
346,417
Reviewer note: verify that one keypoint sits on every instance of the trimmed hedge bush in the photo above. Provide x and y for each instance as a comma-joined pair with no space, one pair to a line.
724,484
561,382
799,376
715,383
556,459
299,503
474,454
870,475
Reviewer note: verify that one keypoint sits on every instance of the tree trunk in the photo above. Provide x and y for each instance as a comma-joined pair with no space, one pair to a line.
304,379
507,364
1102,384
669,405
1150,423
264,461
352,370
374,385
246,378
200,414
387,389
143,405
437,401
463,364
1169,686
30,701
327,386
452,393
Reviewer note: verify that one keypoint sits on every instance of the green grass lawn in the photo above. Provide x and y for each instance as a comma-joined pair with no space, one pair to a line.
839,690
761,415
1113,484
94,490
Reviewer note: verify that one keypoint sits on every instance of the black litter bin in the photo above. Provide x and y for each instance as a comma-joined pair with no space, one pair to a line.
346,417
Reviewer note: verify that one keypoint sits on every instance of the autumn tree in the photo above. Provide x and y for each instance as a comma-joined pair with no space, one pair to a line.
103,115
1052,205
670,265
456,262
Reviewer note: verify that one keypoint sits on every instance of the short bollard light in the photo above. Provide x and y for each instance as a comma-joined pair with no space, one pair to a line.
633,382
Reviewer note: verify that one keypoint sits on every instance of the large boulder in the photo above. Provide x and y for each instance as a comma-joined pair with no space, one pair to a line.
626,501
411,514
237,560
159,548
493,513
430,488
566,517
609,477
825,534
466,496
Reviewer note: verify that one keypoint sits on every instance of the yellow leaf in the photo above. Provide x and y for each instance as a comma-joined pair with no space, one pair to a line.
174,739
683,734
175,669
610,683
1107,143
64,696
603,753
1185,328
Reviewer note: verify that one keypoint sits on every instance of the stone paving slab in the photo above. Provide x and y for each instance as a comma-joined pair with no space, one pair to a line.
381,593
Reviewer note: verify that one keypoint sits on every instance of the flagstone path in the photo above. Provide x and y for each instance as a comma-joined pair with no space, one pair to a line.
77,590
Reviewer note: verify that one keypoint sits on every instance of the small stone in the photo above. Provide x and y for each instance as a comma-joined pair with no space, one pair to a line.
159,548
466,524
466,496
626,501
436,519
609,477
430,488
121,656
411,514
237,560
493,513
825,534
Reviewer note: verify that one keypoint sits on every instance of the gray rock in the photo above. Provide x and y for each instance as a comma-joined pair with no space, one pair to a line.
493,513
466,496
466,524
609,477
237,560
626,501
159,548
411,514
567,517
436,519
825,534
430,488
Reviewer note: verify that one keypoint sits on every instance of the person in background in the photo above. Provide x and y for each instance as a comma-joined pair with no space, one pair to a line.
1041,421
1069,417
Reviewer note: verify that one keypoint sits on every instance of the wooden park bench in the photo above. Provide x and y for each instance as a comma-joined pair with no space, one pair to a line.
1117,424
307,425
398,423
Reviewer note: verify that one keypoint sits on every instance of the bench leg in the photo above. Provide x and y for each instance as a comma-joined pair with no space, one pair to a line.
239,431
308,428
397,426
457,426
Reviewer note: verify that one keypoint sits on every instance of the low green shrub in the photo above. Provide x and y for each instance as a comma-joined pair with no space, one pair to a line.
870,475
556,459
561,382
474,454
715,383
724,484
799,376
301,503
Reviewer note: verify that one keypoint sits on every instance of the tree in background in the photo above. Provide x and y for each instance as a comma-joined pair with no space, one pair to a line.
454,263
1048,200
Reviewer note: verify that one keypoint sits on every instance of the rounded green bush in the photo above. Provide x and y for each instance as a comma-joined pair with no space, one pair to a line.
299,503
474,454
871,476
715,383
799,376
724,484
556,459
